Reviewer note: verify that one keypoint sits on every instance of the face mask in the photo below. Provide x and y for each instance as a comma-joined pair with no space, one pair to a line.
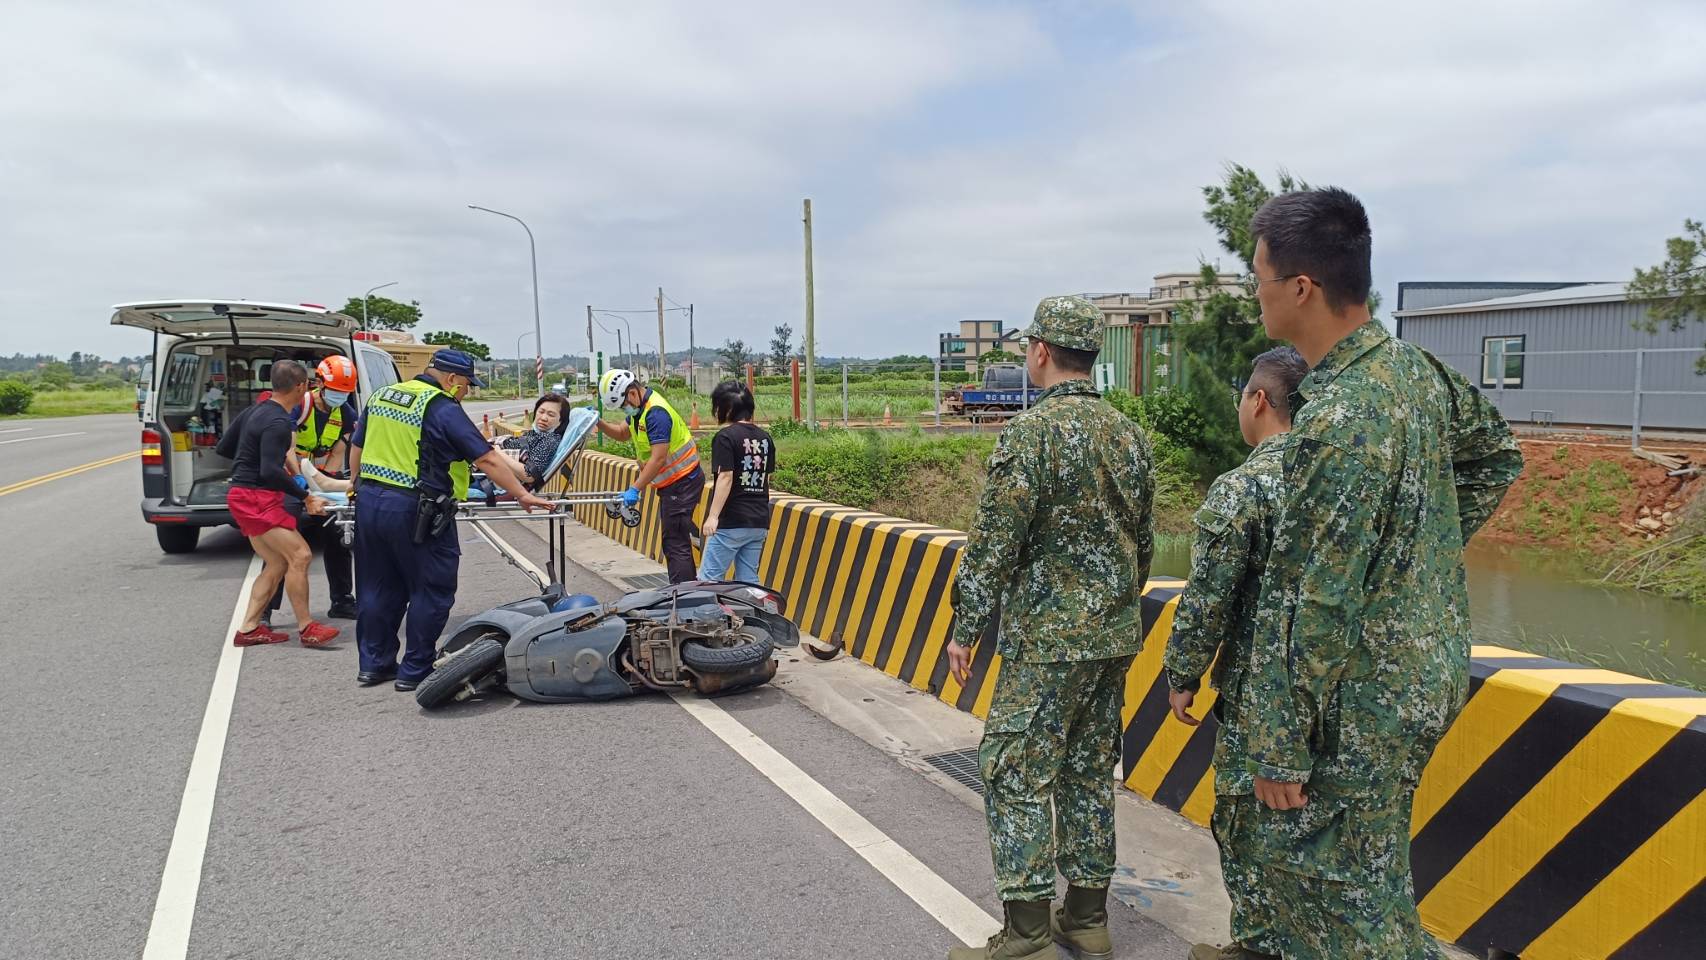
334,398
630,409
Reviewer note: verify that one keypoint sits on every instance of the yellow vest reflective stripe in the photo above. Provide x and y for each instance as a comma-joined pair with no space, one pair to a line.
308,445
391,453
683,450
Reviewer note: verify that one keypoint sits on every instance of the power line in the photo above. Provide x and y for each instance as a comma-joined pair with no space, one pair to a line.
651,310
672,300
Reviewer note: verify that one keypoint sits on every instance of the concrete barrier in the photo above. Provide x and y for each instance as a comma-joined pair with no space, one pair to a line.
1563,817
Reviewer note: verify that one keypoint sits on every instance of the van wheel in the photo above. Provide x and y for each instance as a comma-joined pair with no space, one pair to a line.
177,539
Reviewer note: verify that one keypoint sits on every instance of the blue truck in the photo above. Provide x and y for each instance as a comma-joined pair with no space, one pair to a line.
1003,393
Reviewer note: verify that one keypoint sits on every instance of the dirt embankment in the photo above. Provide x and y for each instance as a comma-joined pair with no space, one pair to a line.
1594,498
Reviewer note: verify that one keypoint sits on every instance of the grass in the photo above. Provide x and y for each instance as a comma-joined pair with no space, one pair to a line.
931,478
904,399
77,402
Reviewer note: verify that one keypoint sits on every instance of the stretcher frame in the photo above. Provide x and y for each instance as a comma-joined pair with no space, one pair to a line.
578,427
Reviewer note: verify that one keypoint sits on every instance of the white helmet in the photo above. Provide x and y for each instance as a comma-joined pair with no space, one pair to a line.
614,384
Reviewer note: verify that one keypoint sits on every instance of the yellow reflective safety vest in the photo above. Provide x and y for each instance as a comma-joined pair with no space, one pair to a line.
683,450
317,446
392,451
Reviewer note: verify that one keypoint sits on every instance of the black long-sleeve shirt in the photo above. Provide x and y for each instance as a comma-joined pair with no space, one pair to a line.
267,435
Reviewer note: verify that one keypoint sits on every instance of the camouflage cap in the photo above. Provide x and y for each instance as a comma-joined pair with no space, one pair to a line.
1071,322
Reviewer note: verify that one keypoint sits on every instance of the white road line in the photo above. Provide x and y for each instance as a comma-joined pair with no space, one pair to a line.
18,430
951,908
45,436
174,909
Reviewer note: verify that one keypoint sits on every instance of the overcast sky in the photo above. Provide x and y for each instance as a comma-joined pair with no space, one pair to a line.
964,159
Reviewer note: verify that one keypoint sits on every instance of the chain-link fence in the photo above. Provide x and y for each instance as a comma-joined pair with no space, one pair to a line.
1640,390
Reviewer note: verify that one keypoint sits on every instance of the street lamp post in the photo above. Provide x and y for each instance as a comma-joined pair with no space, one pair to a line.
368,296
533,256
518,340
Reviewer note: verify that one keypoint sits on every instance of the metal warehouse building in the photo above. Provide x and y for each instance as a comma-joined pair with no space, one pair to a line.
1560,353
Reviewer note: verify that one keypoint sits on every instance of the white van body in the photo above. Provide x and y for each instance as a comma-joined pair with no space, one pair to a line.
230,344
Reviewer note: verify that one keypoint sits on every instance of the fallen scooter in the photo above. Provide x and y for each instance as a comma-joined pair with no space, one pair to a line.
711,637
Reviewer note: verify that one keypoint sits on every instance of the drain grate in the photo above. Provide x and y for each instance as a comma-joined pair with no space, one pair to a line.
961,766
647,581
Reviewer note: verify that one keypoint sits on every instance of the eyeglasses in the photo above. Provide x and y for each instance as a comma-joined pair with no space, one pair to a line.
1289,276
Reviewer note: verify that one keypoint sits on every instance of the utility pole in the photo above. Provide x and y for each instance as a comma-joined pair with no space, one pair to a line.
692,384
661,372
589,347
811,332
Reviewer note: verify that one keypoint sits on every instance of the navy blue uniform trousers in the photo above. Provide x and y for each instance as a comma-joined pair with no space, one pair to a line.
397,575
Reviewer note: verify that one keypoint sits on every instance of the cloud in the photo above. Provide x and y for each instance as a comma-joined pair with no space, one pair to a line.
964,159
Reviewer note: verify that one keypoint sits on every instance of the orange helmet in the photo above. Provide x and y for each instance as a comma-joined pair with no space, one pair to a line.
337,373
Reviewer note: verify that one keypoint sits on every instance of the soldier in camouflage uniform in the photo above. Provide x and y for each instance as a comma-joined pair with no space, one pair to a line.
1359,660
1063,542
1216,614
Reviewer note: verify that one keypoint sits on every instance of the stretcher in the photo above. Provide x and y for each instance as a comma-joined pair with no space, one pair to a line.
577,429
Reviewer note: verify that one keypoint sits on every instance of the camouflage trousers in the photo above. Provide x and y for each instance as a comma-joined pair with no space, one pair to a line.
1050,746
1330,881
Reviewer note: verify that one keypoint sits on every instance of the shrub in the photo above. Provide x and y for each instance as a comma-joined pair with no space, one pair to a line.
15,397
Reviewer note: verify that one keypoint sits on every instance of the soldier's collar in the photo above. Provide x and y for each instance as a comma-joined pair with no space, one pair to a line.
1075,386
1268,444
1344,353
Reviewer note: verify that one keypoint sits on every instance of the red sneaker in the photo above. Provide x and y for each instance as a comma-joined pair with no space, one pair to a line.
317,634
261,634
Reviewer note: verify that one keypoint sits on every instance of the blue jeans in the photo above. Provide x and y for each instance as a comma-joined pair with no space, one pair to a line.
740,546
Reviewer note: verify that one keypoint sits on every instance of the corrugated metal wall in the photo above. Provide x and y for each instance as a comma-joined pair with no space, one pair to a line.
1593,388
1119,347
1162,369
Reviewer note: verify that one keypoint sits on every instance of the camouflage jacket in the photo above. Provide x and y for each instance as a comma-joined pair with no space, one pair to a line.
1062,539
1217,611
1360,654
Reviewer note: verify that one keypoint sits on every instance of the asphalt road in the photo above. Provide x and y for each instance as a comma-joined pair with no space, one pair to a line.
348,823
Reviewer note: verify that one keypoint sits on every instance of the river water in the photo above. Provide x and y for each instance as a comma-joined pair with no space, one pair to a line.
1524,603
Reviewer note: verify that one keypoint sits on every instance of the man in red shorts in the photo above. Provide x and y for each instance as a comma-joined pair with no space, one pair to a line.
259,484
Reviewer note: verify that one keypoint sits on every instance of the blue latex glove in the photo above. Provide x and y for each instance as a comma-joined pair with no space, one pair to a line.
631,496
301,482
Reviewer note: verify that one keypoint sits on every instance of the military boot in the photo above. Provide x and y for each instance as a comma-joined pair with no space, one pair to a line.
1232,951
1081,924
1025,936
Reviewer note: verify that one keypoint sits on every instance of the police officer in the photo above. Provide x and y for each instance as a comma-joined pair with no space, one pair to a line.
669,463
1359,660
323,432
412,453
1063,541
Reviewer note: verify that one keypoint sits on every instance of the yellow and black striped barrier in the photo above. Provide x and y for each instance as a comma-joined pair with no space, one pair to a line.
1563,817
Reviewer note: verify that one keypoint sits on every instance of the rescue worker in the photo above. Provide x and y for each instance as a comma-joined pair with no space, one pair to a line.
323,431
1217,612
1359,660
669,463
1063,542
412,453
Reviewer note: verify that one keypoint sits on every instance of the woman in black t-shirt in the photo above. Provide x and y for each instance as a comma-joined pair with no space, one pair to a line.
742,458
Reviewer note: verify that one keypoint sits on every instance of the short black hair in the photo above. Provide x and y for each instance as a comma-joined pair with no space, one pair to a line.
1322,234
731,401
1278,372
288,375
1072,361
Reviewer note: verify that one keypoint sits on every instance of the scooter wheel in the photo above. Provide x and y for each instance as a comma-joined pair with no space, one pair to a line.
630,516
456,679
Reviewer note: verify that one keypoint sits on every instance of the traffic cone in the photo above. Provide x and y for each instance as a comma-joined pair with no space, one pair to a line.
888,416
693,421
